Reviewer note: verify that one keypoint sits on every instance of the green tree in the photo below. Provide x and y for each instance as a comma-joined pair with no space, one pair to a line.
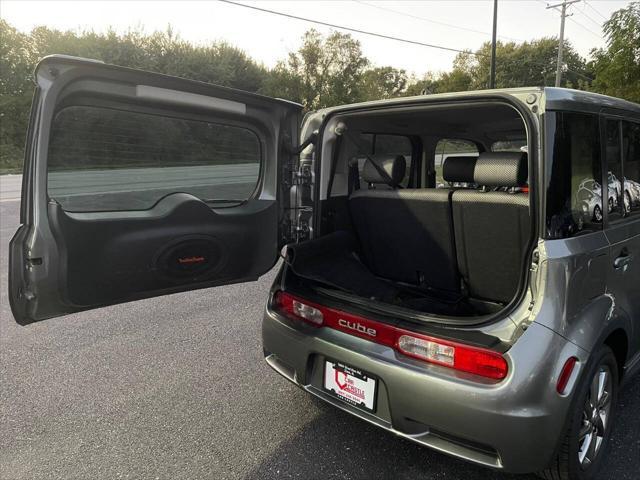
163,52
383,82
332,70
323,72
517,65
525,64
16,89
617,67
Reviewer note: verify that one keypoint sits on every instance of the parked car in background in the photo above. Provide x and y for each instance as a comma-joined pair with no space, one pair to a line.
589,200
631,194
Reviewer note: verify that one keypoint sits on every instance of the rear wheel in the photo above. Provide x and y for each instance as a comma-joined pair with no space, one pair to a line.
591,418
627,203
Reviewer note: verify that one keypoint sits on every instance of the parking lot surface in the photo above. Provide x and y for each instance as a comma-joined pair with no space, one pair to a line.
176,388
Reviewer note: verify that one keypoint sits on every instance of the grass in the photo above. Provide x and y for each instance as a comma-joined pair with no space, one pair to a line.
10,159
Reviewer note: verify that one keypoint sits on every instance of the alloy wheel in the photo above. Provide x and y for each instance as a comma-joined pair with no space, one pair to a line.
595,416
627,203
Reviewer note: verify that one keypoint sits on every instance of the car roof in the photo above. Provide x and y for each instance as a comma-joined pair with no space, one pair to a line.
554,99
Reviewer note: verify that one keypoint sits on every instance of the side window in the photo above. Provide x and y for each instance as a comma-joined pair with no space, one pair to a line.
614,169
105,159
510,146
451,147
395,145
380,144
574,203
631,156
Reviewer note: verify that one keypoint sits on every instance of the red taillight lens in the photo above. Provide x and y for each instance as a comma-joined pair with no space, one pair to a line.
485,363
478,361
565,375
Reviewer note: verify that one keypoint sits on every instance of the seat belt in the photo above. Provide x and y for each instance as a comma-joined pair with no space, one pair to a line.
354,175
341,129
334,163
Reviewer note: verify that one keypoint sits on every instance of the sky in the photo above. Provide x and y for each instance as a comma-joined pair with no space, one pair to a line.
269,38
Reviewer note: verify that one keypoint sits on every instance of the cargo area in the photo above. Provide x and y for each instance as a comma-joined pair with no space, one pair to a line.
422,208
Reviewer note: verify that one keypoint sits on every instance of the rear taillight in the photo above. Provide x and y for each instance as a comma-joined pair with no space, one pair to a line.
485,363
298,308
464,358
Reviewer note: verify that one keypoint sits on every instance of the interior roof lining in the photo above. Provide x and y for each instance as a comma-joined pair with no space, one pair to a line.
474,121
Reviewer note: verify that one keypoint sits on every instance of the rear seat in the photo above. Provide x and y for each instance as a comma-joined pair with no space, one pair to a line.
433,237
406,235
492,228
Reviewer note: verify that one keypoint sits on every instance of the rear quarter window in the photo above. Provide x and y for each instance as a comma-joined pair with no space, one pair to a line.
448,147
574,203
383,144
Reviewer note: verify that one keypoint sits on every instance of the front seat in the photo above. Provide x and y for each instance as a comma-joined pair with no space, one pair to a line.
406,235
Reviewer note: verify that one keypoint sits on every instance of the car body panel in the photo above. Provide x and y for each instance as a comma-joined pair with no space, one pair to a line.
435,407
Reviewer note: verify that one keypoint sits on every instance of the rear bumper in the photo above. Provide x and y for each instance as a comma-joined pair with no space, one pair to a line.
513,425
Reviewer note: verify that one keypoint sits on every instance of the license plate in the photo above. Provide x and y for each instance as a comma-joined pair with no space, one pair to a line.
350,385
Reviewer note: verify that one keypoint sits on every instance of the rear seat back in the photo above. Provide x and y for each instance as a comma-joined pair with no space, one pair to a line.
492,228
406,235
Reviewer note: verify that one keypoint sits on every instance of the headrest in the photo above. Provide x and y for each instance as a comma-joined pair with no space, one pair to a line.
501,169
394,166
459,169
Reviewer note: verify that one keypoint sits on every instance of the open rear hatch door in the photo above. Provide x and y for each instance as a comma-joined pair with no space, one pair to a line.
138,185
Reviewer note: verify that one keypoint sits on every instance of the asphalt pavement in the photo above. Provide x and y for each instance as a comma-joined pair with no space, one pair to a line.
176,388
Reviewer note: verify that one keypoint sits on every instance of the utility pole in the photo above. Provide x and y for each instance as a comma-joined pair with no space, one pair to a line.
492,78
563,16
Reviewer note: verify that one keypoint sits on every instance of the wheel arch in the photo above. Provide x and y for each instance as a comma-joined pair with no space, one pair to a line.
618,342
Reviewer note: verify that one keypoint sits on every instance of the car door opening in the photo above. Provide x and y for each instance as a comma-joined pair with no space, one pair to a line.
425,209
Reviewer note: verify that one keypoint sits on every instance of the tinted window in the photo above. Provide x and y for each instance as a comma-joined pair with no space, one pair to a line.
574,172
395,145
509,145
448,147
379,144
614,169
631,155
108,159
392,144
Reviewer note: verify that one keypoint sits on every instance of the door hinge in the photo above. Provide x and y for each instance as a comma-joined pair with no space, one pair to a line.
299,181
300,201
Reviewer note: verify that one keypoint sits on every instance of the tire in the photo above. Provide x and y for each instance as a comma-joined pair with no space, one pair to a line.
575,460
627,203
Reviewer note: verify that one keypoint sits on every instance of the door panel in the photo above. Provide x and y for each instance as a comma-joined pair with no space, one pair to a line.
139,184
624,275
623,229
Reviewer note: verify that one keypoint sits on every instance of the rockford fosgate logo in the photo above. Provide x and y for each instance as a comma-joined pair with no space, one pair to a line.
189,260
358,327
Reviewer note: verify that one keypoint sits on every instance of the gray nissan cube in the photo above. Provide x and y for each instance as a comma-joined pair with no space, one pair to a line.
462,270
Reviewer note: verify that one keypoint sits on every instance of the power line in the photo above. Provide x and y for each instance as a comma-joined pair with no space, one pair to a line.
586,28
383,36
595,10
584,13
350,29
573,21
417,17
